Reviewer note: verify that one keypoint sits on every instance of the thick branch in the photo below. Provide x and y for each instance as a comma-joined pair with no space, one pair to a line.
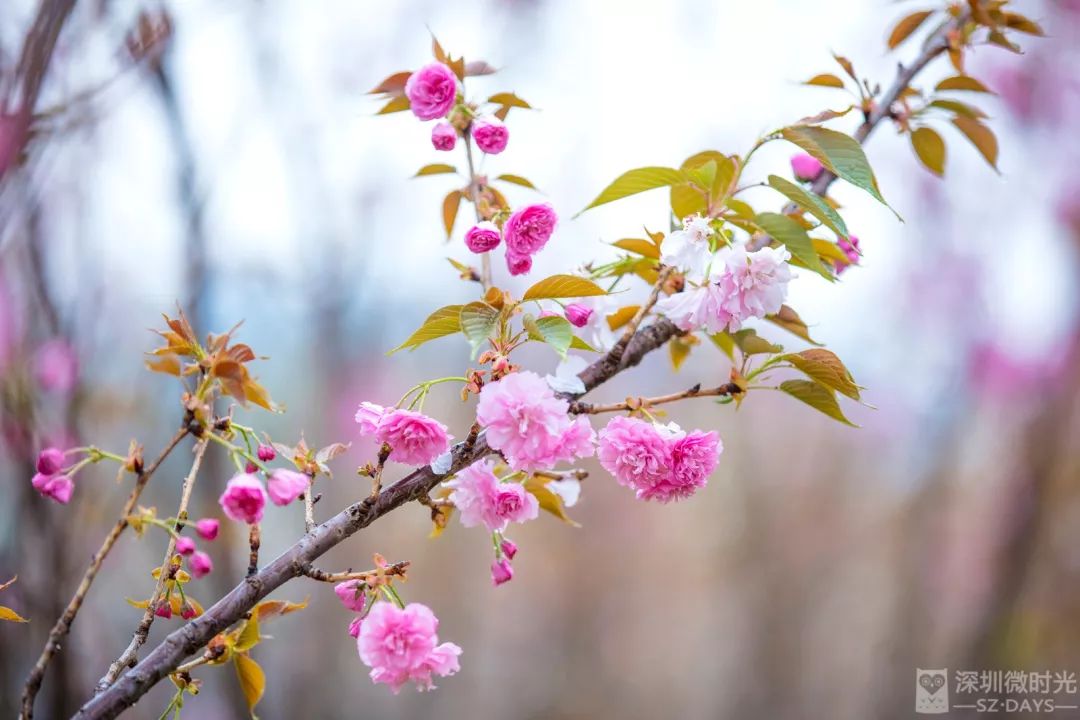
63,623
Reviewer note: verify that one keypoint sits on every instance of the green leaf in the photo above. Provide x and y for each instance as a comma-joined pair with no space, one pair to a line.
825,80
930,148
516,180
841,154
442,322
435,169
478,322
554,330
825,368
752,344
509,99
703,175
636,181
563,286
712,184
816,396
788,232
906,26
981,137
812,203
962,82
579,344
252,680
726,343
790,321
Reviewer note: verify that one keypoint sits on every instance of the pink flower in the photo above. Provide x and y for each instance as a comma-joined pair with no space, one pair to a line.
352,594
56,368
578,314
244,499
265,452
354,626
530,425
501,572
509,548
415,438
402,644
482,500
518,264
163,610
634,452
207,528
368,416
432,91
50,461
200,564
850,246
55,487
805,167
185,545
443,136
187,612
482,237
527,230
284,486
693,458
490,134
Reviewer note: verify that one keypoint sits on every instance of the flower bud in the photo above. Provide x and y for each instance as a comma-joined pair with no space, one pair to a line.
207,528
501,572
200,564
163,610
352,594
805,167
251,468
482,237
354,626
265,452
443,136
285,486
185,545
50,461
490,134
187,612
509,548
578,314
518,264
55,487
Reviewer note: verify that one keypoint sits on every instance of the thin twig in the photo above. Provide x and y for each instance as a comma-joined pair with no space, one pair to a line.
398,569
485,258
63,623
142,630
639,403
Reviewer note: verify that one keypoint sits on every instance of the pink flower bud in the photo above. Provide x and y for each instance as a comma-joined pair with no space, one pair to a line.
805,167
518,264
200,564
50,461
55,487
285,486
244,499
265,452
251,468
482,237
850,246
187,612
501,572
509,548
352,594
185,545
354,626
443,136
207,528
490,134
578,314
163,610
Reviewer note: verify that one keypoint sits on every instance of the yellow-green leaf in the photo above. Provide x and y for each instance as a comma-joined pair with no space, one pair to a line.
812,203
981,137
435,169
825,80
790,321
548,500
554,330
450,206
679,349
396,104
516,180
563,286
726,343
508,99
577,343
930,148
478,322
906,26
276,608
824,367
962,82
393,85
752,344
816,396
444,321
636,181
789,233
252,680
841,154
622,316
639,246
10,615
248,637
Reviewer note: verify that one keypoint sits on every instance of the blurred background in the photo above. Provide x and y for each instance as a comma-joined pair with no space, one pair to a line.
224,156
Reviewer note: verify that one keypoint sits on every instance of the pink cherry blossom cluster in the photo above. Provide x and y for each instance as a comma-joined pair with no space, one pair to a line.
529,425
659,462
244,499
433,91
526,231
199,563
50,479
413,438
402,644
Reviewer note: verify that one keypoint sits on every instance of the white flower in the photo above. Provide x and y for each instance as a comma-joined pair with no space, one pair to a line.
597,332
689,249
566,377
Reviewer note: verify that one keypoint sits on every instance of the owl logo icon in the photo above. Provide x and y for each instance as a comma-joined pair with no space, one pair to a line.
931,691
